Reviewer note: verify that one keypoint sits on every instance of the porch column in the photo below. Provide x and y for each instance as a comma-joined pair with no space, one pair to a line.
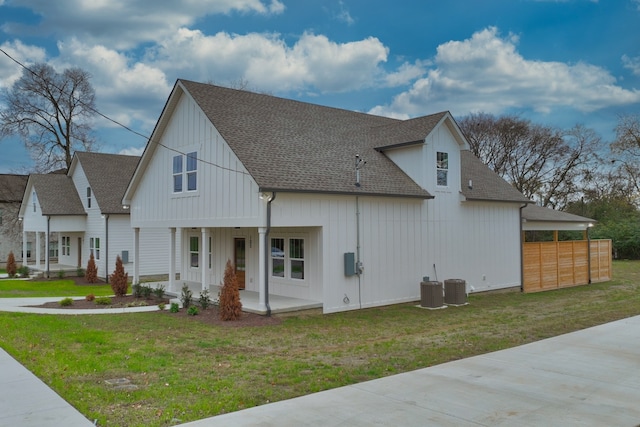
204,258
262,268
136,255
172,259
24,248
46,252
38,250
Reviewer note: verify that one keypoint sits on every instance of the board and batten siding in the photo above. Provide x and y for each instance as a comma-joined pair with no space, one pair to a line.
226,194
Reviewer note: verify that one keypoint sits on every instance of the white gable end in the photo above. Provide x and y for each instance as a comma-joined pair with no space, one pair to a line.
216,186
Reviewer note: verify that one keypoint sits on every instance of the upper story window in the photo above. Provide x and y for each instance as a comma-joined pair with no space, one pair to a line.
442,169
185,167
88,197
33,197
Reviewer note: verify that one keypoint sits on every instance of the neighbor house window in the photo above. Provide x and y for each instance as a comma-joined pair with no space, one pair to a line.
66,245
177,174
94,247
192,171
53,249
194,252
88,197
287,258
28,250
185,168
442,168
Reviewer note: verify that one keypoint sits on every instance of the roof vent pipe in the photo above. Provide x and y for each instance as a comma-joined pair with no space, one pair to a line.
359,164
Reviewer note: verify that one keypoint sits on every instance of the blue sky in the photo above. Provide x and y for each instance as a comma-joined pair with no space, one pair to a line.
556,63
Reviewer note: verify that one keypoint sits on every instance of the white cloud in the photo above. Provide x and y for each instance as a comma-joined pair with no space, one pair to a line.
124,24
268,63
132,151
486,73
632,64
25,54
344,15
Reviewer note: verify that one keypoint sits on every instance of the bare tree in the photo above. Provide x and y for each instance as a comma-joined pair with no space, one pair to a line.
543,163
51,113
626,153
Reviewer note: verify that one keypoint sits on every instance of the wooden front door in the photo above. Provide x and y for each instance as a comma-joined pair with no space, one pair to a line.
79,252
239,260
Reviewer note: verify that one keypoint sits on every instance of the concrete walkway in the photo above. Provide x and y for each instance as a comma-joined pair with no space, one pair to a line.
585,378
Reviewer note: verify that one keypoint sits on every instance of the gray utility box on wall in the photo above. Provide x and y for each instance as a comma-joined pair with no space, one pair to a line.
455,291
431,294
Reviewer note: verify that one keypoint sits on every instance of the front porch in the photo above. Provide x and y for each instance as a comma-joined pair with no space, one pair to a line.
250,299
40,269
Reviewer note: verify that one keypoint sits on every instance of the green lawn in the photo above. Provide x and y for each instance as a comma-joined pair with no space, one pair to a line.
10,288
186,370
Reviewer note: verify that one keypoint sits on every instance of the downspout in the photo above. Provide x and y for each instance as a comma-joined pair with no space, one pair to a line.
358,261
521,250
106,248
266,254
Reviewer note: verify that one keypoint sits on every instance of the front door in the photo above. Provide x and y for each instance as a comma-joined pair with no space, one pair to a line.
79,252
239,260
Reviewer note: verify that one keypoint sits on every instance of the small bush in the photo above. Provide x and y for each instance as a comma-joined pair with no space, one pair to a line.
230,305
80,272
91,274
146,291
136,290
60,274
159,291
66,302
174,307
103,301
186,297
119,279
205,299
193,311
12,268
161,306
90,297
23,271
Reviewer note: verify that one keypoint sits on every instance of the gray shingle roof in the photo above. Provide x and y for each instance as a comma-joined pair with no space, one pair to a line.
12,187
486,184
57,195
540,213
109,176
289,145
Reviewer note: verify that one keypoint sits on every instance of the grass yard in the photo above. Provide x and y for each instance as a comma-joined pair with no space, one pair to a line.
186,370
10,288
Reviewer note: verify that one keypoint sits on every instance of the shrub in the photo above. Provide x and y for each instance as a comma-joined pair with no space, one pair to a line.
80,272
23,271
146,291
90,297
174,307
205,299
193,311
159,291
186,297
161,306
60,274
91,274
12,268
103,301
119,279
230,305
136,290
65,302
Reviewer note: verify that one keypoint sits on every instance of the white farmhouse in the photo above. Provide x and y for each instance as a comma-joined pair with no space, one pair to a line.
84,209
337,207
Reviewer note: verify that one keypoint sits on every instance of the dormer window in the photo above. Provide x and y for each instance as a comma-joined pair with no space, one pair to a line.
88,197
442,169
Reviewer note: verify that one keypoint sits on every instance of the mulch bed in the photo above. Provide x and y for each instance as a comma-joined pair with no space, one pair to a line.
209,316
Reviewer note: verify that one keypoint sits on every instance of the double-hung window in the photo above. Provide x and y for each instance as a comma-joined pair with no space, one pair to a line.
88,197
66,245
194,251
94,247
442,169
287,258
185,170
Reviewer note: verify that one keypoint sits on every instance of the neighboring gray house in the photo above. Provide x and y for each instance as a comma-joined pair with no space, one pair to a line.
83,209
337,207
11,190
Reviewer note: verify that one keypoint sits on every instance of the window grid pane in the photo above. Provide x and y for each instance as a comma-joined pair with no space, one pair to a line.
277,257
193,251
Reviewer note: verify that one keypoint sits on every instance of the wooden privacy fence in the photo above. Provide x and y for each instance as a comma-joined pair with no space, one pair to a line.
553,265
